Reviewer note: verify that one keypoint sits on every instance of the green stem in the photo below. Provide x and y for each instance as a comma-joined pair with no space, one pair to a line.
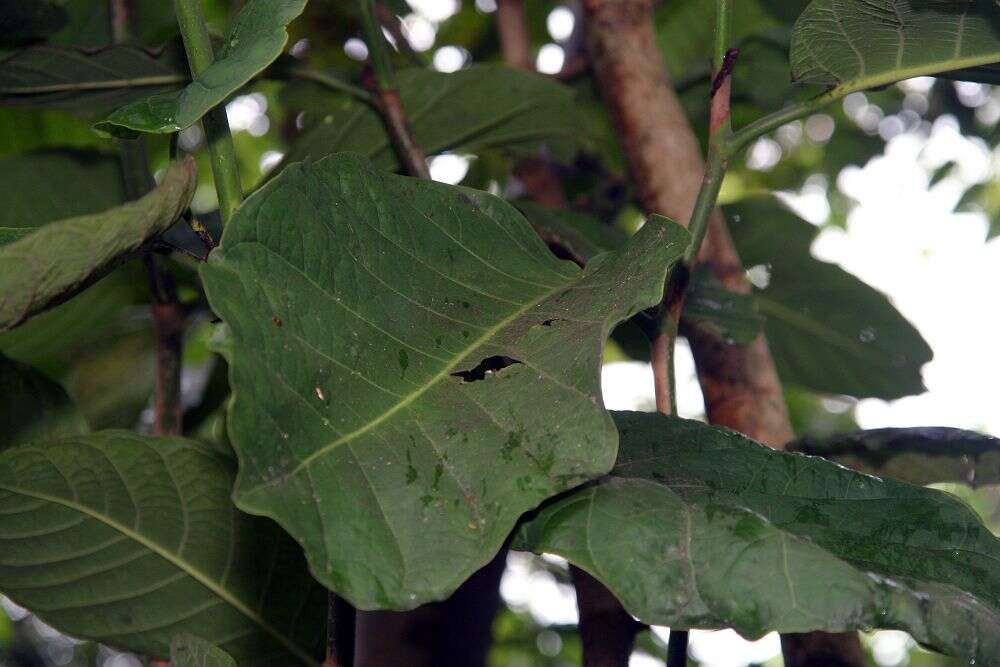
708,196
742,138
198,46
386,98
723,27
378,50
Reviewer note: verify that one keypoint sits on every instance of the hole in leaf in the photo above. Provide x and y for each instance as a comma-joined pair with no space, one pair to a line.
486,366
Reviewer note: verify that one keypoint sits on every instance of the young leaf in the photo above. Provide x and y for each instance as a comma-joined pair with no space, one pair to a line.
865,350
86,82
914,455
87,182
190,651
484,106
55,262
412,369
774,541
131,540
33,407
256,38
858,44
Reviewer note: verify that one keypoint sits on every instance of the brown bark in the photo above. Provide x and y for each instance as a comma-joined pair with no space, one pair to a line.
168,331
515,42
740,383
340,618
606,629
822,648
454,633
390,108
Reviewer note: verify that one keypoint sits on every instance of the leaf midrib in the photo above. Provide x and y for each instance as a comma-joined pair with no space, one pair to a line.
929,69
104,84
434,380
174,560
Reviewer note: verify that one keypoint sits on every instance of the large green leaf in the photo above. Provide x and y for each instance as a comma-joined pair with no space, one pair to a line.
87,182
412,369
255,39
190,651
33,407
914,455
86,82
484,106
114,307
132,540
699,527
61,258
858,44
828,331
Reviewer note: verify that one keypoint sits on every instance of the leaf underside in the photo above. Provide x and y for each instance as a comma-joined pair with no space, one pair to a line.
858,44
255,39
700,527
131,540
59,259
915,455
413,369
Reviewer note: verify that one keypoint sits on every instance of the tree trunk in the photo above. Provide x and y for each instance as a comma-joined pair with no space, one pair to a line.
454,633
740,383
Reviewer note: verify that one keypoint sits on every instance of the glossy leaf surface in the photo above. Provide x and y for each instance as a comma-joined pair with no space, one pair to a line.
412,369
858,44
700,527
864,349
131,540
33,407
916,455
255,39
61,258
89,83
484,106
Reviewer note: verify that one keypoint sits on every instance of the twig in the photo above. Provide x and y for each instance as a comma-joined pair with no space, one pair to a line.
677,649
168,329
340,632
168,317
740,384
381,81
392,23
515,41
219,139
202,233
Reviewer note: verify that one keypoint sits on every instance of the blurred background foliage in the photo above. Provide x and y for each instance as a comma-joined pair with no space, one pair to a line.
99,345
